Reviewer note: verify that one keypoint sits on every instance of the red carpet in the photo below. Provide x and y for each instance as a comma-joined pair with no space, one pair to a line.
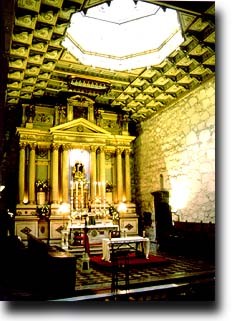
133,261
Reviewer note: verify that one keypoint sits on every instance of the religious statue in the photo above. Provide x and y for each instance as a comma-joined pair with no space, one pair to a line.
78,170
79,187
30,113
79,167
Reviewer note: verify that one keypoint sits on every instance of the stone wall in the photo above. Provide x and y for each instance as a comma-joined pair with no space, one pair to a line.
179,143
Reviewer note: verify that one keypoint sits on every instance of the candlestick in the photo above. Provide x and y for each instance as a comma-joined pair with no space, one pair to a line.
71,196
100,189
76,200
94,193
103,190
82,194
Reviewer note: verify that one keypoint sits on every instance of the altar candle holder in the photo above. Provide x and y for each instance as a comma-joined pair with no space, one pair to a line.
76,198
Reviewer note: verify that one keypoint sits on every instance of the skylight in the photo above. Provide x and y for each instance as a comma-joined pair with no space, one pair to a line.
123,35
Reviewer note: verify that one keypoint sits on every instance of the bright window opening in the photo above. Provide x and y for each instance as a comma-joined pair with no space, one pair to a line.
123,36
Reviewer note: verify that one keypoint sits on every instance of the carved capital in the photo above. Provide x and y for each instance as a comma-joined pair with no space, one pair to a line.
127,151
66,147
108,155
32,146
93,148
54,147
101,149
119,151
22,145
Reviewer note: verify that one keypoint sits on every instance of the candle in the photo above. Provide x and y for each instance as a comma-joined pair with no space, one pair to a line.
71,197
94,193
76,196
82,194
98,189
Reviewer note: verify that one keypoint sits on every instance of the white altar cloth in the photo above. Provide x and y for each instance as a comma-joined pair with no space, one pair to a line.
96,226
108,243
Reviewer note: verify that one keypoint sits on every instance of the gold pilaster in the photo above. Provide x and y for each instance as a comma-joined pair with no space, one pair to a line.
69,112
32,174
56,115
127,176
102,174
21,172
55,173
93,175
65,172
119,174
91,113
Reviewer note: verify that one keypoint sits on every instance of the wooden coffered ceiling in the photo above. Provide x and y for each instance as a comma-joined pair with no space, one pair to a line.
37,68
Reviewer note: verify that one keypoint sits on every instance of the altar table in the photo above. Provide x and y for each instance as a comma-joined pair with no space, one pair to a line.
129,242
95,232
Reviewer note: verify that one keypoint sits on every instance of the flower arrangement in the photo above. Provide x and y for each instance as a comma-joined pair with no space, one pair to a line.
41,185
113,213
43,211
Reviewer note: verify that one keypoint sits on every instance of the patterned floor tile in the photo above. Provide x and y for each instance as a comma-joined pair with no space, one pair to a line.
176,268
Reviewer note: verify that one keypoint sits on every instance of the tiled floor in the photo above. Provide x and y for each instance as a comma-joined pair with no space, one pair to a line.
180,278
178,271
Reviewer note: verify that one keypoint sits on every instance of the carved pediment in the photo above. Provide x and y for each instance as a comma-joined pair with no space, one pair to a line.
78,132
79,125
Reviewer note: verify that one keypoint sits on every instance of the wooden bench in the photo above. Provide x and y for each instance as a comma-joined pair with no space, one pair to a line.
53,269
192,238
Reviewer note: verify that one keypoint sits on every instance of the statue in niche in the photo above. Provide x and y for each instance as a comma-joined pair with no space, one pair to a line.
98,117
125,122
110,124
30,113
62,114
80,112
120,120
78,171
79,167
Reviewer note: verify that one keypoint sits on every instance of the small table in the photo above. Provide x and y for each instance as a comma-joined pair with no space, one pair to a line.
130,242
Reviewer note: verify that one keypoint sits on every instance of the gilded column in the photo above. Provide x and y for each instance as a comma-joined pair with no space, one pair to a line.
102,173
93,173
31,179
69,112
56,115
21,172
127,175
119,174
91,112
55,173
65,174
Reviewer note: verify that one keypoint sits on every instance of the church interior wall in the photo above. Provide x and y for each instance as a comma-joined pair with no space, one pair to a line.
179,145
